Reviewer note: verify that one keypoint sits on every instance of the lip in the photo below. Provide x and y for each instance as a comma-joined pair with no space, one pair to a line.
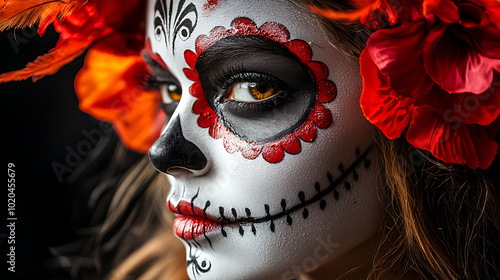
191,222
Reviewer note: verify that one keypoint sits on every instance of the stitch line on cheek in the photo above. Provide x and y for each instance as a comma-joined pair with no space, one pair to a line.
361,160
320,117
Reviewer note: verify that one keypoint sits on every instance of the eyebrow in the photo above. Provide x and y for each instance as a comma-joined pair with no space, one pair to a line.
238,46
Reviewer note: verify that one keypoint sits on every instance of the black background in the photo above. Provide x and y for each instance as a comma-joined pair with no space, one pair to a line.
40,122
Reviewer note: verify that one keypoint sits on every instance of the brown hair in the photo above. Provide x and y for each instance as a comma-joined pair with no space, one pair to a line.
443,220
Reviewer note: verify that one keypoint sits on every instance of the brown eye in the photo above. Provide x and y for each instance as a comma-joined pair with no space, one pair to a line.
250,92
170,93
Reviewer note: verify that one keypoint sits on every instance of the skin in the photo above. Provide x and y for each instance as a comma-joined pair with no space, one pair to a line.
340,231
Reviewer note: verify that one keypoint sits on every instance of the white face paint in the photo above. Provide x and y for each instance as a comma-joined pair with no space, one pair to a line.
272,174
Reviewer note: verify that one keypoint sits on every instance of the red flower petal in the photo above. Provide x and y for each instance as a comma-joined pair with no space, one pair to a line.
301,49
191,74
196,90
467,108
319,69
321,116
308,132
217,130
190,58
445,10
230,143
397,53
451,142
291,145
251,151
275,31
454,63
206,119
273,153
381,105
202,42
244,26
326,91
199,106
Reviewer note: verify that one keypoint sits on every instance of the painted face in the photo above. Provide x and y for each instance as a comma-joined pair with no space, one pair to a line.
271,161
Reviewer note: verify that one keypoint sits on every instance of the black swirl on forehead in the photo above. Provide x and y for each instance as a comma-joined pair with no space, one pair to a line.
173,22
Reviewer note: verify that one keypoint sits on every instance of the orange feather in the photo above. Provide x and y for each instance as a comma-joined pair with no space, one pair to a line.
26,13
48,63
362,9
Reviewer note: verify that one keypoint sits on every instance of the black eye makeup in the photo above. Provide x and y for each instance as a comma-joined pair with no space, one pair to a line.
259,89
161,79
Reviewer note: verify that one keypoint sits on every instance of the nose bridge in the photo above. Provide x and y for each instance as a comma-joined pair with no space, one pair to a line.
173,150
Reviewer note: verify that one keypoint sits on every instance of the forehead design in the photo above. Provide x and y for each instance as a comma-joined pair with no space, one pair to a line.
274,151
210,5
172,22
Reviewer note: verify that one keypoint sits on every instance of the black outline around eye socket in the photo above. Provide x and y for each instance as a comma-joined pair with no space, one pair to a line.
243,55
159,76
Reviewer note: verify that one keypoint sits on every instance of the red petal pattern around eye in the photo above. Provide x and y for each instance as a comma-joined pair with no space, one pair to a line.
319,70
273,152
191,74
291,145
328,91
308,132
302,50
321,116
190,57
251,151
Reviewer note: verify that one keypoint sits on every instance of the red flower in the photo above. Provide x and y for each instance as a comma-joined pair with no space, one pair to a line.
438,77
320,116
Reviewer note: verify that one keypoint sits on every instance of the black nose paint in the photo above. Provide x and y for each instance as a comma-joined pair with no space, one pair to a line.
173,150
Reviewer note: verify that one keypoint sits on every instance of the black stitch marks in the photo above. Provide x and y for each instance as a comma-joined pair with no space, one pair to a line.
173,22
321,194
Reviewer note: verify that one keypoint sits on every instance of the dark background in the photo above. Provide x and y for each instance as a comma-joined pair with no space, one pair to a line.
41,123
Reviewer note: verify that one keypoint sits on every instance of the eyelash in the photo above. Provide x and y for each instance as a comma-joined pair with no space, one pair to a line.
228,77
150,82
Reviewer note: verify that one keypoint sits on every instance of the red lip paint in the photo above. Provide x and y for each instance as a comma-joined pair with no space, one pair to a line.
191,221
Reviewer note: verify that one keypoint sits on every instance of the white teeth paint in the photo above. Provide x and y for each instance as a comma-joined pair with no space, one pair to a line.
289,182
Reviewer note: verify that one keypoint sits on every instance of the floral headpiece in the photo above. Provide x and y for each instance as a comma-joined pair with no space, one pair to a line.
431,68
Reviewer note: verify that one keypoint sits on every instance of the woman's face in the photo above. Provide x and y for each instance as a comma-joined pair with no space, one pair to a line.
271,161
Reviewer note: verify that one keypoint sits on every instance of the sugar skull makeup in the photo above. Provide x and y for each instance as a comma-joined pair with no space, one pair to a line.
268,153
